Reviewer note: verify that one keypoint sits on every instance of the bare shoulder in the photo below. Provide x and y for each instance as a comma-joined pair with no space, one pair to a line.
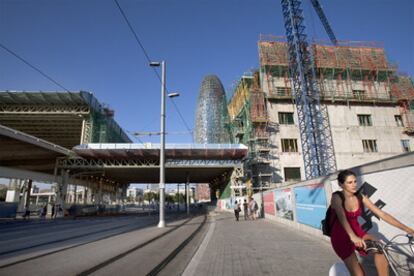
336,200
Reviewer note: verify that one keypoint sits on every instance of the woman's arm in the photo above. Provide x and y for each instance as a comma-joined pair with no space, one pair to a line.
337,205
385,216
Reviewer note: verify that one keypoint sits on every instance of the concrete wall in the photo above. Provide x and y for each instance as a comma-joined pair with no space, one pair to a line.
346,133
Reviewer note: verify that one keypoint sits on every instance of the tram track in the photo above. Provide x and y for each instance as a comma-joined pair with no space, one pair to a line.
157,268
57,241
84,262
20,261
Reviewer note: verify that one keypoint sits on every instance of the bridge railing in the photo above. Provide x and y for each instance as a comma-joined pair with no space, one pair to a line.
157,146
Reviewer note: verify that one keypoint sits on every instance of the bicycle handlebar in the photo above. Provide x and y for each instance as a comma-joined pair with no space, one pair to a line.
380,245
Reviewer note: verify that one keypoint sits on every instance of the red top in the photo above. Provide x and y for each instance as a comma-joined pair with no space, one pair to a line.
340,240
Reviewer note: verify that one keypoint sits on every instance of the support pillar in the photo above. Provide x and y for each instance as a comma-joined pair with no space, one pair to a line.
75,194
62,185
187,194
178,197
100,192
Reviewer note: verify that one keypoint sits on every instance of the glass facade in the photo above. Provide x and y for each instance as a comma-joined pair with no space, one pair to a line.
212,119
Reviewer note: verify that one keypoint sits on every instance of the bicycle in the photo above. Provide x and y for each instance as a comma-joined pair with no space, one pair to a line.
393,251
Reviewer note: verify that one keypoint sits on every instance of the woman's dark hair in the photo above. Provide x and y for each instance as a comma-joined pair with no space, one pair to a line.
343,175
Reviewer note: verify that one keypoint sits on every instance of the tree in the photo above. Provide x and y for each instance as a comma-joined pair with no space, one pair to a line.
151,196
179,198
3,193
169,198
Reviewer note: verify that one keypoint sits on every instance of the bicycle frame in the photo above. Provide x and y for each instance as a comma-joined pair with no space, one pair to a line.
381,247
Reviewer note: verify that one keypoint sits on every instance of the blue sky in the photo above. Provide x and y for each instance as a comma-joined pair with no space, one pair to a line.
86,45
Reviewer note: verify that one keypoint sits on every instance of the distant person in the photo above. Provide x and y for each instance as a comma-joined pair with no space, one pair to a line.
26,213
44,212
245,209
53,211
253,207
237,210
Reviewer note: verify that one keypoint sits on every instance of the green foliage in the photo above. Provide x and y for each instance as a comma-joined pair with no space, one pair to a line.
151,196
3,192
169,198
179,198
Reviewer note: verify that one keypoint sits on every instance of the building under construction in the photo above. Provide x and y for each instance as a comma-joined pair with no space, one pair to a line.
66,119
370,109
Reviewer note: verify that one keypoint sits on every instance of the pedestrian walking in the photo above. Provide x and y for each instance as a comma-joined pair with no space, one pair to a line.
253,207
237,210
245,209
53,211
44,212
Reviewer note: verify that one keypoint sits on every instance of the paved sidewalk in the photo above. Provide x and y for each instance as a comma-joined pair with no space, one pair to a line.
259,247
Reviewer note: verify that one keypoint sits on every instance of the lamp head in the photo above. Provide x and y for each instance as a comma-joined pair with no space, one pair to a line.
173,95
155,63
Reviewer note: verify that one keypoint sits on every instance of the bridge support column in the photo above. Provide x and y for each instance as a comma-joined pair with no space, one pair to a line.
24,201
100,192
187,194
20,189
62,185
75,193
13,192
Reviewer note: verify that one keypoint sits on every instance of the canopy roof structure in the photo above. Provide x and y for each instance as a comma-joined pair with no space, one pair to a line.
139,163
63,118
19,150
120,163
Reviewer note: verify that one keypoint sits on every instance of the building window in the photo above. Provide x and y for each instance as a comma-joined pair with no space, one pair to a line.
286,118
364,120
289,145
398,120
283,91
292,174
406,145
369,145
358,94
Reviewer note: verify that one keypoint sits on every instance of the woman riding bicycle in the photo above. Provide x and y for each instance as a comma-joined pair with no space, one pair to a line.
347,235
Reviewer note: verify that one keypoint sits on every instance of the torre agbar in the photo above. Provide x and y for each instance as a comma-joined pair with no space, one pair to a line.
211,124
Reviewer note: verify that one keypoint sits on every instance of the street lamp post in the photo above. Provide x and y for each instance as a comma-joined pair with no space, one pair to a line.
161,223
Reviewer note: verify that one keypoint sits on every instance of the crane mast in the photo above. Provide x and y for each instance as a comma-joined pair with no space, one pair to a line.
316,140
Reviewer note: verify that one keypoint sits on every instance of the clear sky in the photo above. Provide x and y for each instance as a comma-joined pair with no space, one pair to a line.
86,45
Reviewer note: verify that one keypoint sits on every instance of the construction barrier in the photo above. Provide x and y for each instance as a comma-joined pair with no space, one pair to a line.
388,183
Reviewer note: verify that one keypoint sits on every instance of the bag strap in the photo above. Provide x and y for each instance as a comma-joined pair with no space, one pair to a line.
341,195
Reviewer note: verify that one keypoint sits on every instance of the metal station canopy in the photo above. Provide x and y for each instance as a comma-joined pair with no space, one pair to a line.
66,119
23,155
139,163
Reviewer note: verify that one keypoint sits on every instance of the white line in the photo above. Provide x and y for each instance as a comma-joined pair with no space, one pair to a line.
190,270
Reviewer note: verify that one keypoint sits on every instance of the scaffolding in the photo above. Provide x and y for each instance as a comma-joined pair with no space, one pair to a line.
402,89
75,117
348,72
249,121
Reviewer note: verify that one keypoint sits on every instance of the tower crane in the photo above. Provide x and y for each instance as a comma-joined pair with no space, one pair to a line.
315,133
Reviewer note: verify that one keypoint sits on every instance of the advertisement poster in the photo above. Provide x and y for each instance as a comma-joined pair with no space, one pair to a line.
269,203
283,203
310,204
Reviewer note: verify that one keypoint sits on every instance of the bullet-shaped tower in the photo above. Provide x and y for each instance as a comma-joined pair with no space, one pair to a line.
211,123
